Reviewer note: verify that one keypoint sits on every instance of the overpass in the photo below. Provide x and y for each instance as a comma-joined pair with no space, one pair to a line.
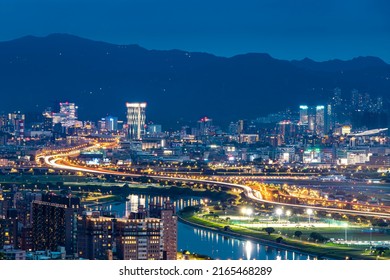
53,161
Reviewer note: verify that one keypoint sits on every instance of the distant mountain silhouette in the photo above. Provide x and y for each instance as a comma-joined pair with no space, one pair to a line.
100,77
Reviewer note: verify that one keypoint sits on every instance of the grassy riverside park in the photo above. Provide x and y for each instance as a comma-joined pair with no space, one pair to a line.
320,250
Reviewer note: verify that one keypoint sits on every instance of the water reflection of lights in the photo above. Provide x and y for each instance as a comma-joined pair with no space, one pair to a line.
248,250
278,258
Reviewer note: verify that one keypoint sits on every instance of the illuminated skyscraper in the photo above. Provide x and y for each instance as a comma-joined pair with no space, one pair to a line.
67,115
136,120
16,124
111,123
303,114
317,118
69,112
320,120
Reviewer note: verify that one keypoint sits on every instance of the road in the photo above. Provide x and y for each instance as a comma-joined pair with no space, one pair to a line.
52,160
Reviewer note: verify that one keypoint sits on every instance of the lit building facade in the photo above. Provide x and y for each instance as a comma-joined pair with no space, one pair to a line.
303,114
111,123
320,120
136,117
139,239
95,236
166,212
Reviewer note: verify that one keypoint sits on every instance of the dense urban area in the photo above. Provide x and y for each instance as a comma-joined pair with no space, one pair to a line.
312,181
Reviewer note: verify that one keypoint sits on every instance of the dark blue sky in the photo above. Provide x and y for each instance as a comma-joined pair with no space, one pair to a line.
287,29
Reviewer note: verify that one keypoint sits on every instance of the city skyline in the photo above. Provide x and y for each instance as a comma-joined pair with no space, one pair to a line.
194,130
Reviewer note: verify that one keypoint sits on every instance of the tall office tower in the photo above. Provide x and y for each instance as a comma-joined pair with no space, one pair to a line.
139,239
303,114
311,118
286,130
95,236
48,124
111,123
54,222
69,110
242,126
320,120
136,120
329,118
205,126
233,128
16,123
154,130
166,212
67,115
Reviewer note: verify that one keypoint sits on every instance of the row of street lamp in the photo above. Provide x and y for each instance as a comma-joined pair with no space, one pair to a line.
279,212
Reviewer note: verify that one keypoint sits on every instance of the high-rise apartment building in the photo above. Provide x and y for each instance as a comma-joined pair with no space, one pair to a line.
139,239
136,118
95,236
136,236
9,229
166,212
54,222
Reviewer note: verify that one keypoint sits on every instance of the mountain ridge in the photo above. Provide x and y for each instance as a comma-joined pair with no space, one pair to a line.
100,77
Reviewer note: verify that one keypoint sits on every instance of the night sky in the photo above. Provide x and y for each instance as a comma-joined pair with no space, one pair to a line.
286,29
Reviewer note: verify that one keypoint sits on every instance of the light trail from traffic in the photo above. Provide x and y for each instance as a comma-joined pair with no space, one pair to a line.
52,160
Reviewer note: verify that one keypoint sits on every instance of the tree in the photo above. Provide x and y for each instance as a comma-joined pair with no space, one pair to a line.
318,237
2,256
381,250
269,230
279,239
226,228
298,233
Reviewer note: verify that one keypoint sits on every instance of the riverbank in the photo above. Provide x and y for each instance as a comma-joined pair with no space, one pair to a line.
320,251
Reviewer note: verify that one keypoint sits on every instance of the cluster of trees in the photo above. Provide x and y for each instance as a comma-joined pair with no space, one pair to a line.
317,237
379,223
269,230
380,251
